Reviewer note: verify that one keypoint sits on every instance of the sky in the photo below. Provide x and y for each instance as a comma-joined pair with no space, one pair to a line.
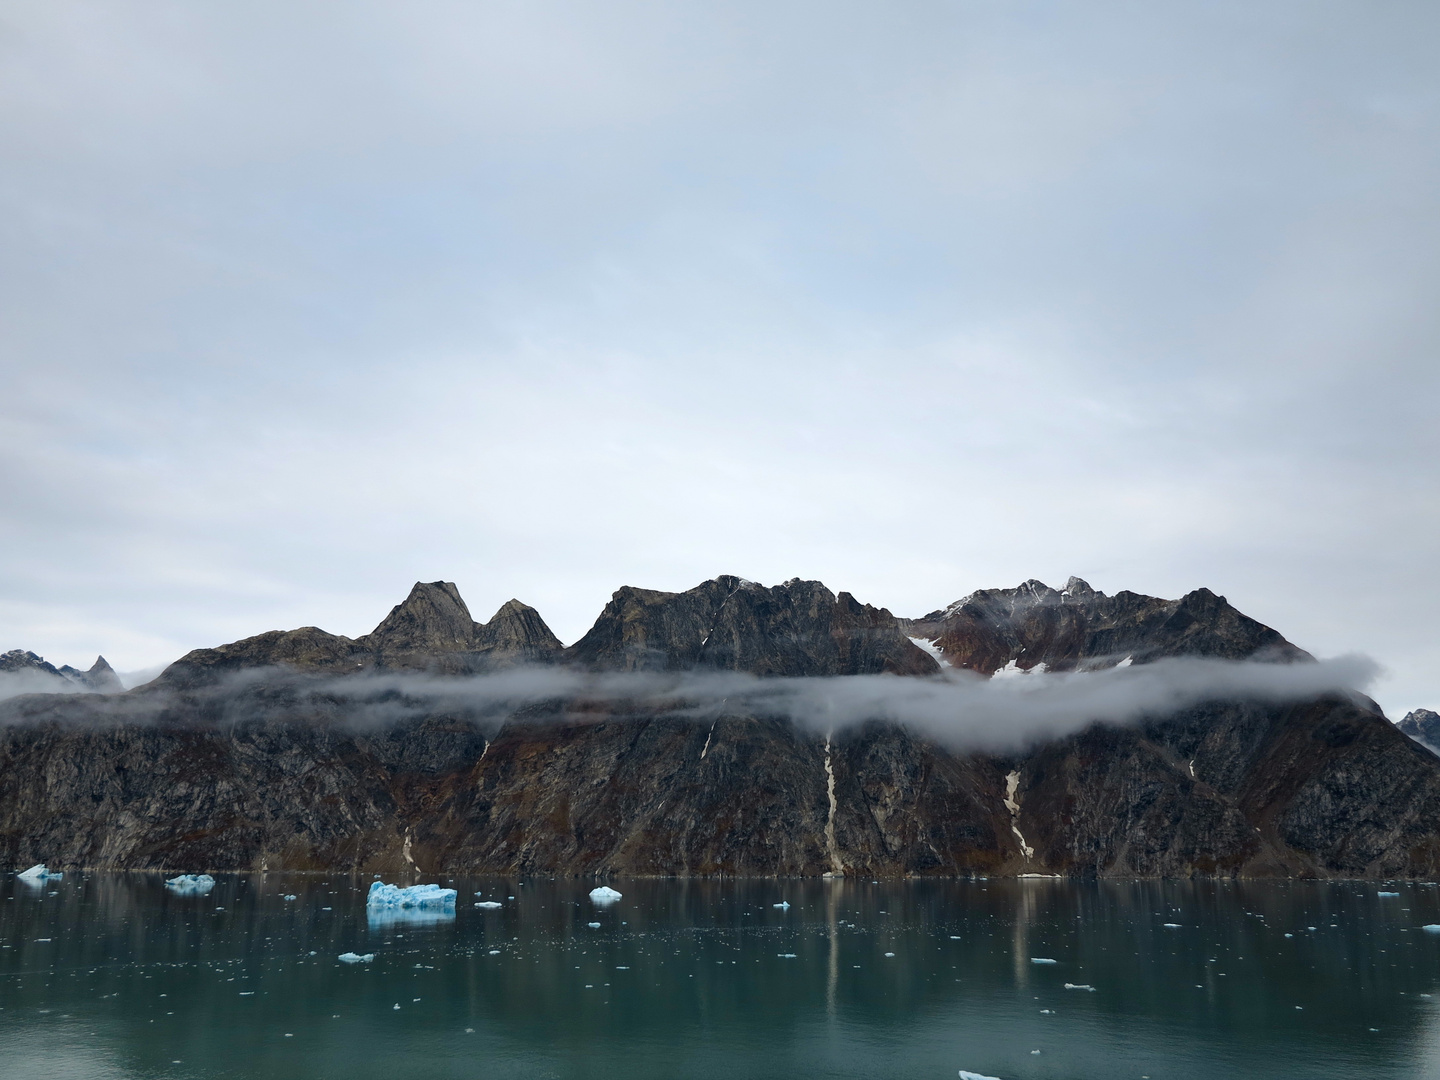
303,302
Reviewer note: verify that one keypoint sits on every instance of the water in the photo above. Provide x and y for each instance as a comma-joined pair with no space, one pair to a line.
109,976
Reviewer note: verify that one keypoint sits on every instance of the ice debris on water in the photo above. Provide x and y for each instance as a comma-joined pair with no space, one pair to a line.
356,958
604,895
593,925
488,904
39,872
1042,960
1431,928
1172,926
1387,894
291,896
1080,986
191,884
966,1075
783,905
409,896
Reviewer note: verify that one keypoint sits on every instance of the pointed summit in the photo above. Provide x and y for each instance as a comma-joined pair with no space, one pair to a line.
102,678
433,618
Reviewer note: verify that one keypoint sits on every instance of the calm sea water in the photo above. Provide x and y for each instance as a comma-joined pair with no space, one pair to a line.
108,975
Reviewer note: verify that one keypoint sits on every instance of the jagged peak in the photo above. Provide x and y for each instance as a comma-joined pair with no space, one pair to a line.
433,616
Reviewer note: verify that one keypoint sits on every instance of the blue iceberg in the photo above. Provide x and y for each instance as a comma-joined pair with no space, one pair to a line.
604,895
37,874
356,958
190,884
387,904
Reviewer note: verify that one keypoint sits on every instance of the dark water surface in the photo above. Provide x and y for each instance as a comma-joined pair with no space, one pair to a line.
109,976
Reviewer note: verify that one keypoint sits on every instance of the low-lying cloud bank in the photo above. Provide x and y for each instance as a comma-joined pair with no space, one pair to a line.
958,709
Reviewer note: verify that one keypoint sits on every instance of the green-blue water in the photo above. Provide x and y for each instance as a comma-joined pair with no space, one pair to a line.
108,975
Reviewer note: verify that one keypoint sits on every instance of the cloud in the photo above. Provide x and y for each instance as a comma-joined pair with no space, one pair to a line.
958,709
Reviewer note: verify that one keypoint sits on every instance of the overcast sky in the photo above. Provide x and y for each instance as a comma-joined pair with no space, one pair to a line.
302,302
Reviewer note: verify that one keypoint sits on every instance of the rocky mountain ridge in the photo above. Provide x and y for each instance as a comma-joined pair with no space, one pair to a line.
1423,725
43,677
210,773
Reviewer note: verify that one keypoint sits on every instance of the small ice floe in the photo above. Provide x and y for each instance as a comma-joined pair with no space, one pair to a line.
356,958
593,925
1080,986
1431,928
1289,935
604,895
38,873
956,937
1387,894
889,954
1042,960
291,896
967,1075
791,955
783,905
191,884
488,905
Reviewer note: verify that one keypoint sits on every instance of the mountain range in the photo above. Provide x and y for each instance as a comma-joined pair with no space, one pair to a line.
254,755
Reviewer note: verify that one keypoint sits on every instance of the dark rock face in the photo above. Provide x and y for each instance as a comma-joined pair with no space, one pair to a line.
799,628
1423,725
251,773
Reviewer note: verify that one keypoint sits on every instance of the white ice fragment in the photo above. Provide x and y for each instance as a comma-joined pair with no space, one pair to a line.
593,925
291,896
191,884
604,895
1080,986
356,958
1042,960
488,904
1431,928
783,905
1387,894
39,872
411,896
966,1075
889,954
1289,935
789,955
1172,926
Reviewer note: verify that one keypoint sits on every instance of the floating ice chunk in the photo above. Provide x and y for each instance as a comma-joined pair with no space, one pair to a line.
1387,894
291,896
1431,928
410,896
593,925
604,895
1080,986
1042,960
488,904
356,958
191,884
889,954
39,872
786,955
1172,926
966,1075
783,905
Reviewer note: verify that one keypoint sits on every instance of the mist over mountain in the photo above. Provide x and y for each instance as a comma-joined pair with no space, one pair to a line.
736,728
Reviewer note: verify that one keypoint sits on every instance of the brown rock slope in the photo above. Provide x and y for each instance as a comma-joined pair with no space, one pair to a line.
201,771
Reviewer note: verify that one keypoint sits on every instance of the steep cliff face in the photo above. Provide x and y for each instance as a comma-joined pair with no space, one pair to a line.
1423,725
262,771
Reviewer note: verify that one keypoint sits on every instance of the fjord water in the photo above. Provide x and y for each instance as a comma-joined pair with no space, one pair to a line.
111,976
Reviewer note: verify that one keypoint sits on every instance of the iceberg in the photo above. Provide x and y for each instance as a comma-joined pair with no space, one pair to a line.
1080,986
783,905
1431,928
388,904
190,884
604,895
37,873
1387,894
965,1075
1042,960
409,896
593,925
356,958
488,904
